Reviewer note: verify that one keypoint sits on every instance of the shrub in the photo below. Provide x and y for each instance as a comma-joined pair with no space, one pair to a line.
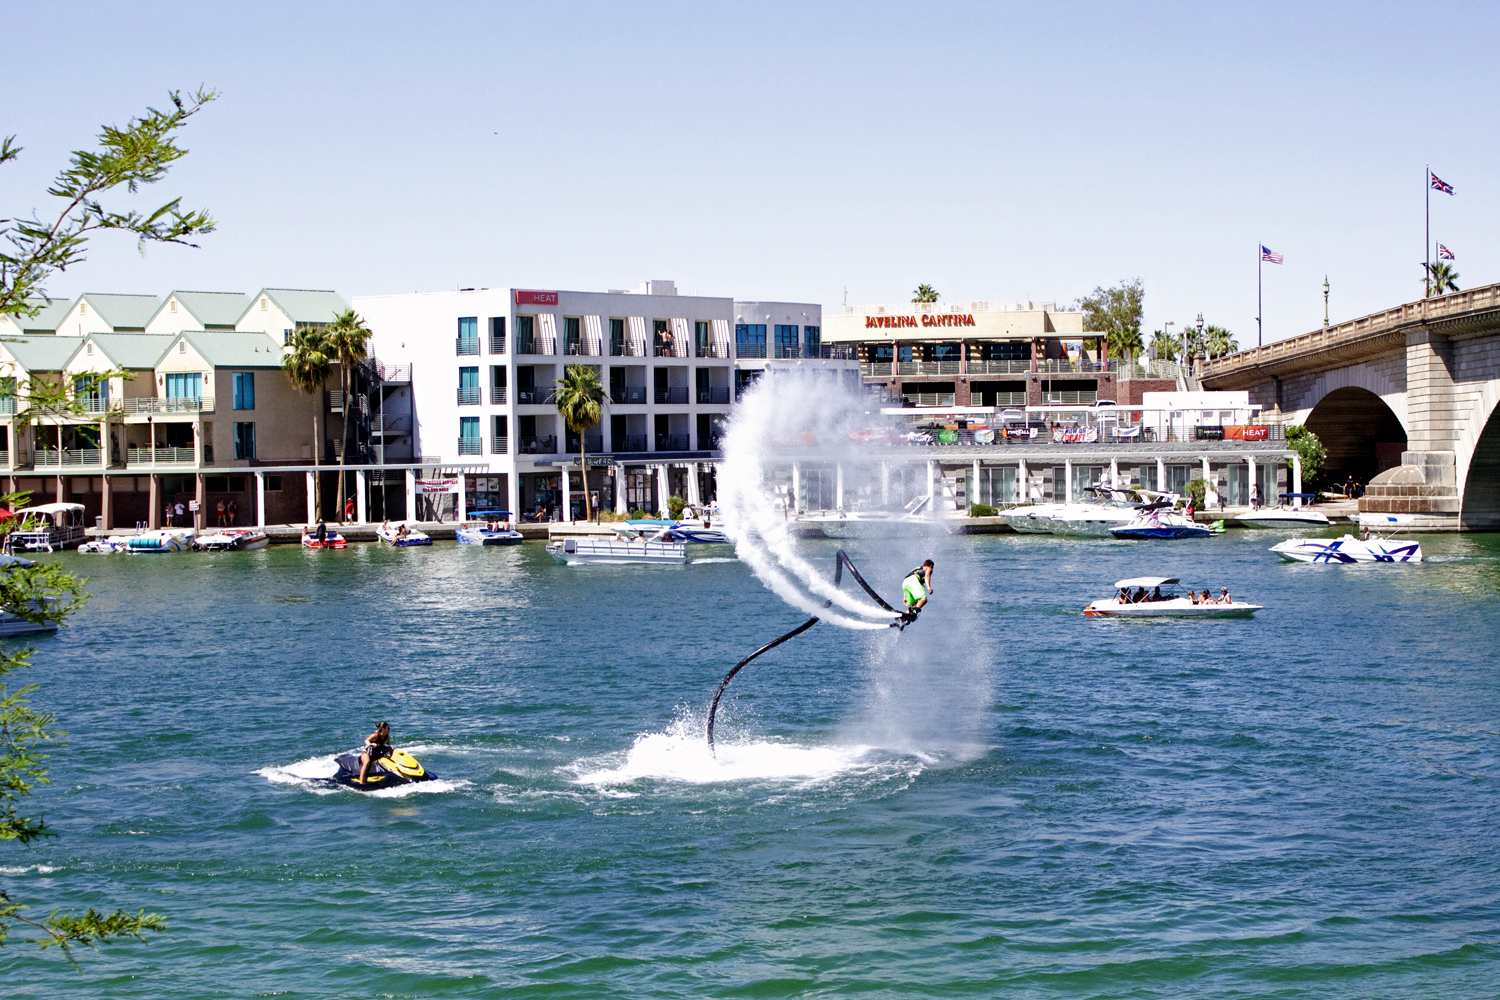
1307,446
1196,489
675,505
637,515
981,510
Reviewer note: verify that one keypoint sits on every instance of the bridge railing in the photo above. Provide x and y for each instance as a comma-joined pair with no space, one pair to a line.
1440,307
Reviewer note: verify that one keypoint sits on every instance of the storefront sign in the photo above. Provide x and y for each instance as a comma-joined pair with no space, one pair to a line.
927,319
1247,433
536,298
437,485
1206,433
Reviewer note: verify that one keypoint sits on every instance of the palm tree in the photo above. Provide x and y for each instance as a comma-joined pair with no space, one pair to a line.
1168,345
580,400
347,338
1218,341
306,363
924,293
1125,343
1442,277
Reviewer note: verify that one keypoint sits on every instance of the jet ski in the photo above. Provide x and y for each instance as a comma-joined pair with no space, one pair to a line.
400,768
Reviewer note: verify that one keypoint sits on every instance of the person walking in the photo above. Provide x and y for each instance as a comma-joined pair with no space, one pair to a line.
1255,496
233,512
349,511
180,512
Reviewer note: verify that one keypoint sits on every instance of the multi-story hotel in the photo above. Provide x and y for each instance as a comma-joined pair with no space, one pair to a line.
485,363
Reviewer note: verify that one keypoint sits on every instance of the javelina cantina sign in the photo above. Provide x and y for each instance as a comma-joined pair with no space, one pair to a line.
927,319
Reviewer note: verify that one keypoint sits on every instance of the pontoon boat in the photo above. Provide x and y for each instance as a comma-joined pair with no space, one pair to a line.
47,527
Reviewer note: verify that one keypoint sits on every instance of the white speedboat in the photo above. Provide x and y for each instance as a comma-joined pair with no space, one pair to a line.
696,532
322,537
1035,519
1348,549
1286,515
1158,520
232,540
402,534
1155,604
580,551
106,546
160,541
487,527
1094,520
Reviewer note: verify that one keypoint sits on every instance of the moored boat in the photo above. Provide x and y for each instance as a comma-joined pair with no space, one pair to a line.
232,540
159,541
577,551
487,527
47,527
1286,515
322,537
402,534
1157,520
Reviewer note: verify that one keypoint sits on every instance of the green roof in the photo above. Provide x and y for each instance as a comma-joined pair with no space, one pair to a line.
123,312
304,305
45,321
48,353
232,349
136,351
211,308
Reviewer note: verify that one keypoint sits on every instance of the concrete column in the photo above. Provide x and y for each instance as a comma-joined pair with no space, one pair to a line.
198,443
312,504
361,502
1207,472
565,480
1114,471
1068,475
513,494
838,486
662,492
975,498
695,495
1023,493
411,494
1161,474
620,506
153,506
796,504
106,506
1250,461
260,499
462,507
200,518
60,488
931,488
885,484
1297,475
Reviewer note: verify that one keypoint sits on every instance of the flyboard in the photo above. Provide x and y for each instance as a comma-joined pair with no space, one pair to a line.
903,619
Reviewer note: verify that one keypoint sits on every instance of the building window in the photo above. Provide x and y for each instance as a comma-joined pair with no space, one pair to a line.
903,352
572,337
184,385
701,337
244,390
883,353
497,334
786,340
468,386
945,352
286,336
617,338
94,397
468,328
244,440
812,340
525,335
469,442
750,340
273,484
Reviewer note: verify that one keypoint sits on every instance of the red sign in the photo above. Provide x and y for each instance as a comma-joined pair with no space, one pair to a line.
942,319
1247,432
536,298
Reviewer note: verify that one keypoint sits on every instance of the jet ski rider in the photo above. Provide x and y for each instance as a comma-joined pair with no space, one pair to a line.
917,587
377,745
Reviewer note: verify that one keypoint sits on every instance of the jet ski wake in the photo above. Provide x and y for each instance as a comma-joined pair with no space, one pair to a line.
903,619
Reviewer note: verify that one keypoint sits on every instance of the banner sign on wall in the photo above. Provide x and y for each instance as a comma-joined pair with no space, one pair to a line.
536,298
1247,433
437,485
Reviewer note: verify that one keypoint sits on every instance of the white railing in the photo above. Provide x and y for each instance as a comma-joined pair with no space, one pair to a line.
159,456
176,404
52,459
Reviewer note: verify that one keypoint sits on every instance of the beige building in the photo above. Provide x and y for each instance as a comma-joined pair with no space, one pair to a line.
50,312
99,312
199,311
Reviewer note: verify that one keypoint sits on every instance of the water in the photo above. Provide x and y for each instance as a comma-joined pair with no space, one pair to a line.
1300,805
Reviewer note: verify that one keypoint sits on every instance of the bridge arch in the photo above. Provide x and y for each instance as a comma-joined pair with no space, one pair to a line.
1479,504
1362,433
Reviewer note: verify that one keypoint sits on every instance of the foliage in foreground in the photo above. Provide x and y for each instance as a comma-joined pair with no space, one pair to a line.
1308,448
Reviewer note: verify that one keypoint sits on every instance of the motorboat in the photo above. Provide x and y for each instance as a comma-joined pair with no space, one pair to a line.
1348,549
402,534
620,549
400,768
1034,519
487,527
105,545
322,537
232,540
160,541
14,624
1286,515
1158,520
48,527
1168,605
697,532
1094,520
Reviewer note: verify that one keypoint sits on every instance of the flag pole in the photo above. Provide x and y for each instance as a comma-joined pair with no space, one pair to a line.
1427,241
1260,266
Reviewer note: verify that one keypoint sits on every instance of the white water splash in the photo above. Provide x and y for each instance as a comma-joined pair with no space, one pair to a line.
313,774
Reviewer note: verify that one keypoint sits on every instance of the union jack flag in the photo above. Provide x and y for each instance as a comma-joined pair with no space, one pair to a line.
1444,253
1438,184
1266,253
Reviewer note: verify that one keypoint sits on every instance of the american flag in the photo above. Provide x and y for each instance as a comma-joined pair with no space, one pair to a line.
1438,184
1266,253
1444,253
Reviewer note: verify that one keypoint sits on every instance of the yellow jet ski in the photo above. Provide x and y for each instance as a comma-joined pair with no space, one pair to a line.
399,768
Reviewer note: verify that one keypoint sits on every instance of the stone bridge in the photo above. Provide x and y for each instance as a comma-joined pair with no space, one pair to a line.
1408,394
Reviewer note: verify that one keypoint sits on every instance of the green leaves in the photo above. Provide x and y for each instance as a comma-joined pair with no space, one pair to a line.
1112,312
1441,278
1309,449
309,358
924,293
580,397
139,153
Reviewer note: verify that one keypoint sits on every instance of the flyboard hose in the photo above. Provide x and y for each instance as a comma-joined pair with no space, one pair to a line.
840,561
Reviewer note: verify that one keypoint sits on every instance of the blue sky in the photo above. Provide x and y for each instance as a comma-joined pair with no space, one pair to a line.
791,151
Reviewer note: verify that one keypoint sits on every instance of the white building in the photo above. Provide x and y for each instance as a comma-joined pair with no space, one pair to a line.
485,362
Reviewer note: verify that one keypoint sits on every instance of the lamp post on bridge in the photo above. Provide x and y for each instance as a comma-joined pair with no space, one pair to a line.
1325,303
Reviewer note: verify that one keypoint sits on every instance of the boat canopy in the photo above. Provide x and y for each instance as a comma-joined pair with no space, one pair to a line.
1146,581
474,514
1299,496
50,508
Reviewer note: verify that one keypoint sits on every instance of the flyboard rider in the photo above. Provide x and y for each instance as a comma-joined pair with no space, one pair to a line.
917,587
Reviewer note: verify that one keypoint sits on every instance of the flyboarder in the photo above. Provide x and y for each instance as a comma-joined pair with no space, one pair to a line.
917,587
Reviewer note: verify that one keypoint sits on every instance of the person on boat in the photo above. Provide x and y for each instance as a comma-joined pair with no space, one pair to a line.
1207,597
401,530
917,586
1194,595
377,746
1124,597
322,533
1156,595
1140,596
1224,597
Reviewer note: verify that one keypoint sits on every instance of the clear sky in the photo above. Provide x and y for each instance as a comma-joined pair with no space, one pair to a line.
791,150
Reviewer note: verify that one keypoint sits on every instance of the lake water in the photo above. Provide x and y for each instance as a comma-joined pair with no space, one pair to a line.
1006,799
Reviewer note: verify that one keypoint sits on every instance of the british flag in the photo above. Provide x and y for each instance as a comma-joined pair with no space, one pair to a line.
1438,184
1444,253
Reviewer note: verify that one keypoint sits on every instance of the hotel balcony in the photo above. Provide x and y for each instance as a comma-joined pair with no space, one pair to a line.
497,395
627,394
672,442
675,395
158,404
68,458
466,345
630,442
499,446
535,397
497,344
538,445
470,395
164,456
714,394
471,446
